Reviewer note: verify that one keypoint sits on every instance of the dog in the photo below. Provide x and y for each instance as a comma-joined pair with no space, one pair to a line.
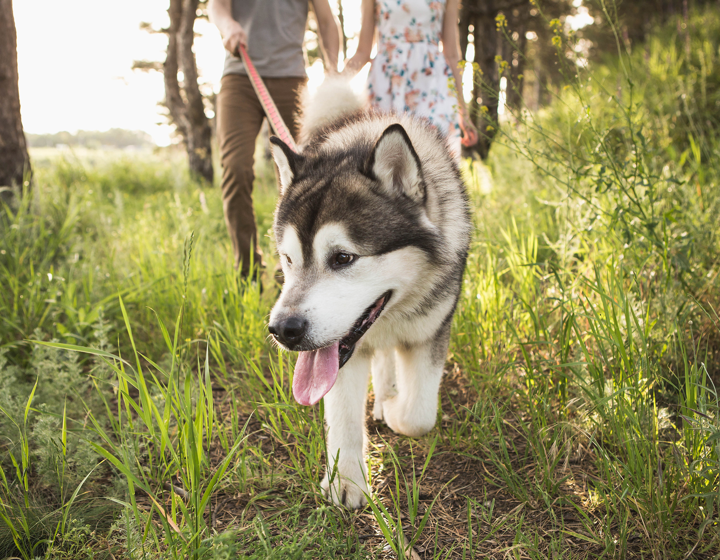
372,227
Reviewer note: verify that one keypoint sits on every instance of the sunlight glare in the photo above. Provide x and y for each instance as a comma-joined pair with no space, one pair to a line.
467,75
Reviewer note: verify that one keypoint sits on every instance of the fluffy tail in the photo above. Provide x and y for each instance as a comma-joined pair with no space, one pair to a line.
332,100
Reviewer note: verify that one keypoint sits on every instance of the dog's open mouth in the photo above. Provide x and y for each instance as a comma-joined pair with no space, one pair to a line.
347,344
317,370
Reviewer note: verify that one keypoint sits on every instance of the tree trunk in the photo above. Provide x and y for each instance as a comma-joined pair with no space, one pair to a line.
488,87
489,44
185,102
14,158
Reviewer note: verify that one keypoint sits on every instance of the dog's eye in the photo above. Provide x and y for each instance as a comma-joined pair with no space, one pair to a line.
342,259
289,260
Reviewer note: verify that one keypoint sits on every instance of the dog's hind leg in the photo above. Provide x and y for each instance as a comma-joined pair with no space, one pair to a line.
345,482
419,371
383,378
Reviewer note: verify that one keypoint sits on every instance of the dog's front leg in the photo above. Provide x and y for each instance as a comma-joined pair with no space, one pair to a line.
383,376
419,371
346,479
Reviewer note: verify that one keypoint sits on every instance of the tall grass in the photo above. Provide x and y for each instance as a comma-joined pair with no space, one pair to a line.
599,292
160,441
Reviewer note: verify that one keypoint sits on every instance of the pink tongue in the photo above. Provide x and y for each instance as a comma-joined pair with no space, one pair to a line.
315,374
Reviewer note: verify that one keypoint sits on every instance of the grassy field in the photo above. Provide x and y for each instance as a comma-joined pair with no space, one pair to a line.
144,413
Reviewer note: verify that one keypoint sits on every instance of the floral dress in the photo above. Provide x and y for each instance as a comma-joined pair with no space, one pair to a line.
409,73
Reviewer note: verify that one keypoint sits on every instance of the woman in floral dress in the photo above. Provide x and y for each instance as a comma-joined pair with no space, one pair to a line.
410,73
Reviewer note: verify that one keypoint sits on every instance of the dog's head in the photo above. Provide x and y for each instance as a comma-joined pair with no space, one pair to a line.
353,237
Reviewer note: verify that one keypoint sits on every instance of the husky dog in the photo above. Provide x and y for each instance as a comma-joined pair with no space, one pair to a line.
372,227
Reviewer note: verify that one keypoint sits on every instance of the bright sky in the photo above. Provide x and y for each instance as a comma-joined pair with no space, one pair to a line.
75,59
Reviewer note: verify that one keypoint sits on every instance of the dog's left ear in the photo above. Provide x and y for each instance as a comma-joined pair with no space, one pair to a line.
396,165
287,162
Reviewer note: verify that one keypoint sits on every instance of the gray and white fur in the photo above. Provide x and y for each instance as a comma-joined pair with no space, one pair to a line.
382,191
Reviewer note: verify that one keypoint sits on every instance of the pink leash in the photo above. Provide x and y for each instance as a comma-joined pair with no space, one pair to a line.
278,125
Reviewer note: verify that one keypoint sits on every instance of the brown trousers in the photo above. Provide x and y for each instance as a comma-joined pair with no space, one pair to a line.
240,116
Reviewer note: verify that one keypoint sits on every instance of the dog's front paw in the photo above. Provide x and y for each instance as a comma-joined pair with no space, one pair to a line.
345,491
407,420
381,397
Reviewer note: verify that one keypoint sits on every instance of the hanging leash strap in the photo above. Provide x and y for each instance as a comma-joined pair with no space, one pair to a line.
278,125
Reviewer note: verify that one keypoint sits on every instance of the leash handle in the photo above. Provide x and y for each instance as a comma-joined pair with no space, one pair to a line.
273,115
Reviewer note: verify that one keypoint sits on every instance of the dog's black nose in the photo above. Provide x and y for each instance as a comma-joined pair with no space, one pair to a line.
290,331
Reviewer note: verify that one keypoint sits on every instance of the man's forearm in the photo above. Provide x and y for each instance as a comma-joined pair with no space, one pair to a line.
233,35
220,13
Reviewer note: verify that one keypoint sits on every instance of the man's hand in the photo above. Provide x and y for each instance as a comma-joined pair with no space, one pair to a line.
233,37
232,33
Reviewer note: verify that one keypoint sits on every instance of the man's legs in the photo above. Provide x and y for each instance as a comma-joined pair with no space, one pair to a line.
240,117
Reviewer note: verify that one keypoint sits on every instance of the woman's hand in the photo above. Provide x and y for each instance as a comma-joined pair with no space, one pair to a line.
470,135
353,66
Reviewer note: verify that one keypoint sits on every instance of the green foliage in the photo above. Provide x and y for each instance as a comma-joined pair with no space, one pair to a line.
391,524
162,437
597,297
31,524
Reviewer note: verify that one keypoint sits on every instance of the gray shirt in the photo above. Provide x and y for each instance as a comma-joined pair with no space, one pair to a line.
275,31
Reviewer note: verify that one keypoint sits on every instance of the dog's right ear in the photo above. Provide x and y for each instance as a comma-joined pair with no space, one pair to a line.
287,162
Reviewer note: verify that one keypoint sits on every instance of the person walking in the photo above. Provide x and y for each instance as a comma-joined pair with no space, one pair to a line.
272,31
410,73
